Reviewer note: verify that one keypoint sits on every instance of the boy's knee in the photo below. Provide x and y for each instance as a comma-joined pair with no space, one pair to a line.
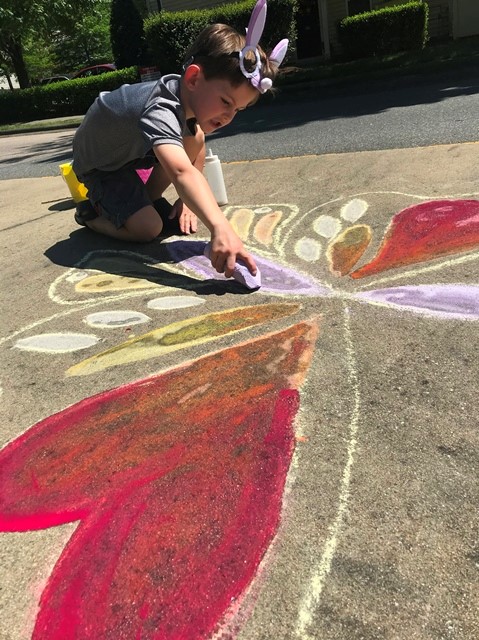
150,232
145,225
147,236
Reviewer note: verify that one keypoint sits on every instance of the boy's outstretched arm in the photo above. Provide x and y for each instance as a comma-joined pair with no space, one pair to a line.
195,192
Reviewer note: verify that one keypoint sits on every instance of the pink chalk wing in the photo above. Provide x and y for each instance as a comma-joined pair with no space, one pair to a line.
178,483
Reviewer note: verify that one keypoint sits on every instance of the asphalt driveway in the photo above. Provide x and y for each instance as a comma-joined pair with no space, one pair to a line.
184,459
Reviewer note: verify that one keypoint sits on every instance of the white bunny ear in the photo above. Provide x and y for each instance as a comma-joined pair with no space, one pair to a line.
256,24
278,53
265,85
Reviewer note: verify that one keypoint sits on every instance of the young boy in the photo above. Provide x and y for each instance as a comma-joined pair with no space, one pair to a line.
163,125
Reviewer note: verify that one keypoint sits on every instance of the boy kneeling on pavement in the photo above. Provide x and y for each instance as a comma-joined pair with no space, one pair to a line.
162,124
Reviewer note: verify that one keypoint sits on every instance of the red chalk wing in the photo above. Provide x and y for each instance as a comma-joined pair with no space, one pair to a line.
426,231
178,481
166,558
58,470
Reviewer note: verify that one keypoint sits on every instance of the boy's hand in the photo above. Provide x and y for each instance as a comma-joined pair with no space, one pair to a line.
191,186
187,220
226,248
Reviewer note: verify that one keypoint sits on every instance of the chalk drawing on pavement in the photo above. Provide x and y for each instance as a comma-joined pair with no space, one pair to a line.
57,342
178,489
424,239
180,335
308,249
115,318
175,302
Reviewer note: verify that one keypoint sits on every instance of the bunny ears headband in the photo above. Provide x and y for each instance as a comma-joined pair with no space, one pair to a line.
253,35
252,70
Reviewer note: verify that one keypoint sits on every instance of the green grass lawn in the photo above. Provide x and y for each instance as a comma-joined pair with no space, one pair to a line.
41,124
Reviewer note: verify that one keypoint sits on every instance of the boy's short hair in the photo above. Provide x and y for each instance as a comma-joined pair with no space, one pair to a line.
216,49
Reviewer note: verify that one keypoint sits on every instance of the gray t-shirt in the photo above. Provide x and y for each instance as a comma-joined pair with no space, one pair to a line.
123,125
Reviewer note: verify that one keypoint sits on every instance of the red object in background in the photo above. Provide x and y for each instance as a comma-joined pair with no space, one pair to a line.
95,70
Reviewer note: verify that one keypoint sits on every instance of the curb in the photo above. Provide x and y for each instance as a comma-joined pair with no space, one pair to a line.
40,129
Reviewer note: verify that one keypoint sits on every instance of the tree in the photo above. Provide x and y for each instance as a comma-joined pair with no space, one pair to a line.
88,42
127,35
20,19
6,70
39,57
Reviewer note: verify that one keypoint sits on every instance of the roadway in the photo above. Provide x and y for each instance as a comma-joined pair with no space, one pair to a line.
412,111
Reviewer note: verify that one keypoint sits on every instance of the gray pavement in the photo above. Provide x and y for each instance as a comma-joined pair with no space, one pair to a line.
377,534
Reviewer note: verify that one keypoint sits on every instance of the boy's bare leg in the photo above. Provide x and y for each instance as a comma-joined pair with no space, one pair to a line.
143,226
157,183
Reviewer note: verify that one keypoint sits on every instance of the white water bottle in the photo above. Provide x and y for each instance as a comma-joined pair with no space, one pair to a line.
214,175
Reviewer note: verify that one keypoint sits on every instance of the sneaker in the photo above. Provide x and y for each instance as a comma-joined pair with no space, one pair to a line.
85,211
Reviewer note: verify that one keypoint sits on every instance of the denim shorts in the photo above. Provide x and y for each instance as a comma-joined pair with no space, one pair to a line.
117,195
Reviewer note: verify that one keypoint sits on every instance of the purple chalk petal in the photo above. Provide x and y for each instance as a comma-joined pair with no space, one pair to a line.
241,272
445,300
275,278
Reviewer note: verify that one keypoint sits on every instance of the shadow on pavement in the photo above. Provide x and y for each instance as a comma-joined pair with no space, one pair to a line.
349,101
62,205
82,249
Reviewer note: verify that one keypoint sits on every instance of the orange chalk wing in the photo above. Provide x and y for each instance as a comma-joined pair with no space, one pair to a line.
58,470
347,248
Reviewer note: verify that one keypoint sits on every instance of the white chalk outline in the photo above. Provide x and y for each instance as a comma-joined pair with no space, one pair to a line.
322,569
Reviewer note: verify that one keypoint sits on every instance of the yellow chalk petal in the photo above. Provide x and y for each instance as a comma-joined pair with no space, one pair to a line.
100,283
346,249
263,231
180,335
241,221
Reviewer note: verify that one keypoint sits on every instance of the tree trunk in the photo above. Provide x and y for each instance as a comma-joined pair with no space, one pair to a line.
15,50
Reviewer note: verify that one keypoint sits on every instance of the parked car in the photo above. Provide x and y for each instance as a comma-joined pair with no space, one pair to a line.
53,79
95,70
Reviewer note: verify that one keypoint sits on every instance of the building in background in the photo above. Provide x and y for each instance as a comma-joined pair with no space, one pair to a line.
465,18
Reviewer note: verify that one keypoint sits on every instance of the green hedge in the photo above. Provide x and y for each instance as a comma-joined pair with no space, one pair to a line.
68,98
169,34
385,31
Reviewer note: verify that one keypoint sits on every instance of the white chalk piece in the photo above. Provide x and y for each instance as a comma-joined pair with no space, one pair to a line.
214,176
240,273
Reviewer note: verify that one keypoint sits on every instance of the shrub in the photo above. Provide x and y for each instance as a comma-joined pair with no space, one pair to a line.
68,98
384,31
169,34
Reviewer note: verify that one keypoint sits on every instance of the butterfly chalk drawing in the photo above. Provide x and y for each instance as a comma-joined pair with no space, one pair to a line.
177,479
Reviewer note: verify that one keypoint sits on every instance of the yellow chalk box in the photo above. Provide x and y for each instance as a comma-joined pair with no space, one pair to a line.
77,189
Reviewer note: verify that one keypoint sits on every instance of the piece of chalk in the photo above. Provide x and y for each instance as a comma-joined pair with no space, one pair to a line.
241,272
